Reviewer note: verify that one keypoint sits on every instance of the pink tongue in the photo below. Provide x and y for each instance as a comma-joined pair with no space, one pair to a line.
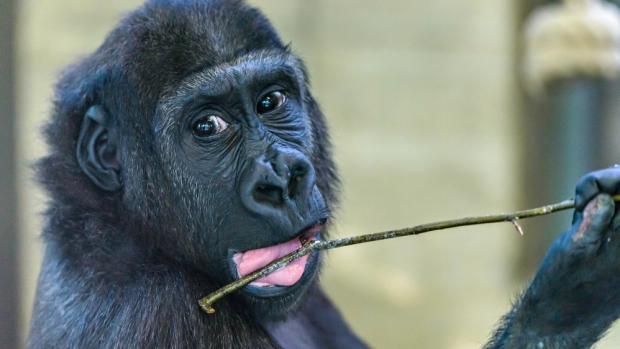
253,260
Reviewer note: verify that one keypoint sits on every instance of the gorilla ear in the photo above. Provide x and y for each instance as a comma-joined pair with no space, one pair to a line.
97,149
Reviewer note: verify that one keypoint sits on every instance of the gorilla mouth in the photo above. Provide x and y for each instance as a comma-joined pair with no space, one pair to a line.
249,261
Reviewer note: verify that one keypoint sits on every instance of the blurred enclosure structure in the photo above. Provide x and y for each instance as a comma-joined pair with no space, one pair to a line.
430,120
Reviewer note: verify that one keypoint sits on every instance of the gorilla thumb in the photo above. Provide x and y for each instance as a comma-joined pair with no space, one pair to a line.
595,220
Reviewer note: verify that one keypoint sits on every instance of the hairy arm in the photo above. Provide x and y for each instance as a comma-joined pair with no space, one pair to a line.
575,295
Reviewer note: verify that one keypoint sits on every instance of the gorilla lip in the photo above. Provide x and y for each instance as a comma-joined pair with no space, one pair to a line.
248,261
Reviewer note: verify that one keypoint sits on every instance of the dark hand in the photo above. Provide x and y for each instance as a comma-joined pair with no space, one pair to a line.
581,273
575,295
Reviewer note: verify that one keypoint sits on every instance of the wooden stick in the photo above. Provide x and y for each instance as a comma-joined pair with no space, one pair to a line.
206,303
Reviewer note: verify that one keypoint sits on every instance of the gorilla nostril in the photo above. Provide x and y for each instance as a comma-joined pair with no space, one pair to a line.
299,170
293,183
297,174
268,194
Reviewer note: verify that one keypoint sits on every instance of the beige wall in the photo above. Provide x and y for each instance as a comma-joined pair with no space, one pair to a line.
419,95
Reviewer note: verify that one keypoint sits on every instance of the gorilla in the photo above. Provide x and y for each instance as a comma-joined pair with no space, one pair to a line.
188,151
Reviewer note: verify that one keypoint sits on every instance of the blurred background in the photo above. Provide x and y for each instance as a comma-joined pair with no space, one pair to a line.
438,109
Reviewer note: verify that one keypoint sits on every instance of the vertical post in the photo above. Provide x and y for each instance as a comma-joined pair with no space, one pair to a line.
8,196
571,57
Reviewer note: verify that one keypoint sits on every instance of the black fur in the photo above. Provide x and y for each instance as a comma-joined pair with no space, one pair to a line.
125,268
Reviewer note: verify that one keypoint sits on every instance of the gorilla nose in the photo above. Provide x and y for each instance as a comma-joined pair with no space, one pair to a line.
276,182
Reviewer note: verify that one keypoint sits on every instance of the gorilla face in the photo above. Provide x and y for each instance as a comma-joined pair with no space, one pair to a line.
204,144
237,141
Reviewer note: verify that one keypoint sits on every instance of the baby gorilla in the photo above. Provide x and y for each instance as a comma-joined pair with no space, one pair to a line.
188,151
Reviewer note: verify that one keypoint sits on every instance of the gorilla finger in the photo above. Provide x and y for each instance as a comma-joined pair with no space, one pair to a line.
596,219
606,181
613,235
615,223
587,188
577,217
611,240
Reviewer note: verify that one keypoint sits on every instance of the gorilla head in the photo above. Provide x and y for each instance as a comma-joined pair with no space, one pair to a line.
190,138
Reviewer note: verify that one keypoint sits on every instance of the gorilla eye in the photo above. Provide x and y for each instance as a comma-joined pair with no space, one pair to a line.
206,126
270,102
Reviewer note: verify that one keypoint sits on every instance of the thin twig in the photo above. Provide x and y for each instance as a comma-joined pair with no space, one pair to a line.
515,223
206,303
